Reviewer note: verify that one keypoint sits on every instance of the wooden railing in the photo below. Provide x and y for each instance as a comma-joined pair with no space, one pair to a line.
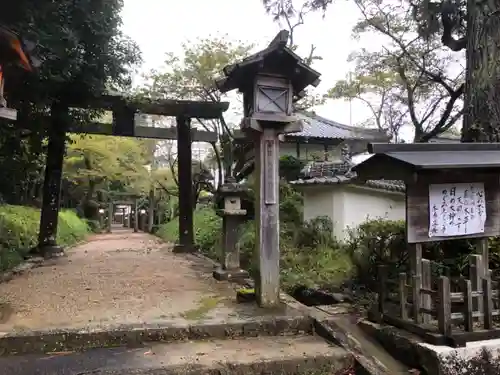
419,301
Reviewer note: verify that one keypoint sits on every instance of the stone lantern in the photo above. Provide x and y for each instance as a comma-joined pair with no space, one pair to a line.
270,81
229,195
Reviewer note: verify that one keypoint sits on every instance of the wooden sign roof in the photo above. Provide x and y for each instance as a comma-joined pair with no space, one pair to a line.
401,161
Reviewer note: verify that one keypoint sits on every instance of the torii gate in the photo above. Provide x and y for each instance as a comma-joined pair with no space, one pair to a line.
13,51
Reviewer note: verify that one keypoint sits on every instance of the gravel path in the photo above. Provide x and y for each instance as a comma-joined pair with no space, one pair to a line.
117,278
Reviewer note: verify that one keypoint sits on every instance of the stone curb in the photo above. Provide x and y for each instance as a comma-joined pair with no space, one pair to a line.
136,335
331,365
27,265
31,263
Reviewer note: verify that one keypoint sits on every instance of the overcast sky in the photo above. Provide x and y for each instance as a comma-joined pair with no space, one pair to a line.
160,26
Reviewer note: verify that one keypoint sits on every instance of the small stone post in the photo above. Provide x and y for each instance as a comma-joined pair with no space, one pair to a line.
126,222
110,216
151,210
136,216
230,194
143,221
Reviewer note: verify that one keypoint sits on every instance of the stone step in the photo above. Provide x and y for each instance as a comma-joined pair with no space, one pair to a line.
244,356
24,342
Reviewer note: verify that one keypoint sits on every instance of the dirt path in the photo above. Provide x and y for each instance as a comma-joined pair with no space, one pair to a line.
116,278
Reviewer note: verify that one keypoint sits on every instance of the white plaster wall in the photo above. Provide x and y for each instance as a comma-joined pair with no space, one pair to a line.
348,206
319,203
324,201
362,204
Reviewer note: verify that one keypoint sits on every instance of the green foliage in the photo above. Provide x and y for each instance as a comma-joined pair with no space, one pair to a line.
19,227
101,162
190,74
290,167
207,230
83,53
374,243
71,229
81,46
383,242
309,255
291,204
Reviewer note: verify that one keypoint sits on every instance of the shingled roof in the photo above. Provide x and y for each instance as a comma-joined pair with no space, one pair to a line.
319,127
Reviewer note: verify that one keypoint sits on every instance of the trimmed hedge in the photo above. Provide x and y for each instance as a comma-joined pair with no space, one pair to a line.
19,227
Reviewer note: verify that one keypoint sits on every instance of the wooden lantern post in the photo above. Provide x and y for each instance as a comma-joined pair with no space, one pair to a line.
270,81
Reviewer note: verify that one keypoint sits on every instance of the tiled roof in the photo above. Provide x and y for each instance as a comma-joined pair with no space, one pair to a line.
319,127
331,173
389,185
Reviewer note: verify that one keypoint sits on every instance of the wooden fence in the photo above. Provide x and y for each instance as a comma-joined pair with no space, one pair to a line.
429,307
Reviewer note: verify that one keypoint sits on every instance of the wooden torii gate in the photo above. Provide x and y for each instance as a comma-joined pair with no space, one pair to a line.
124,111
15,52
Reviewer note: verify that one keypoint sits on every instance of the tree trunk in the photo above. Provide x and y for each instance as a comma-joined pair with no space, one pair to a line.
482,87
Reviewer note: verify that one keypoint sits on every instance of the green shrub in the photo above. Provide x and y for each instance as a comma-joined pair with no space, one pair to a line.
317,261
378,242
290,167
207,231
94,226
374,243
71,229
19,227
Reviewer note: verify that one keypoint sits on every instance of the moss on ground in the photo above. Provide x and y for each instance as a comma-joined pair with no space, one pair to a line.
206,304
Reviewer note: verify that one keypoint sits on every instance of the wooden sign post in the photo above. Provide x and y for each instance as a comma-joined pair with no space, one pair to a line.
452,192
270,81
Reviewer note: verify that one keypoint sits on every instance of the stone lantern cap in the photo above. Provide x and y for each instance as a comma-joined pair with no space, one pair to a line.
230,188
229,197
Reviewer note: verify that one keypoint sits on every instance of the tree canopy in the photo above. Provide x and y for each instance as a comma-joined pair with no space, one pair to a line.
458,25
411,80
190,75
83,52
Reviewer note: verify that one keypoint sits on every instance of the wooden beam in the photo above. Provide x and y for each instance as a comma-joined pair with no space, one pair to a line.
163,133
161,107
146,132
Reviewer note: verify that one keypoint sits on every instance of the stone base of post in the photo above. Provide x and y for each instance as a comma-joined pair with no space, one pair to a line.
50,249
183,249
221,274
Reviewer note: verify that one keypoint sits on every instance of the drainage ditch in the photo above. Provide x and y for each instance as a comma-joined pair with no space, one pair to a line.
371,357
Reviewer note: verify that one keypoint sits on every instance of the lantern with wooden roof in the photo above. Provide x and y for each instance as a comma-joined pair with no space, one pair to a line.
270,80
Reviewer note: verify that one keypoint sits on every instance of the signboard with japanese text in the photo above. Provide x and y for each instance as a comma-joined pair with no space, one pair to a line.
456,209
